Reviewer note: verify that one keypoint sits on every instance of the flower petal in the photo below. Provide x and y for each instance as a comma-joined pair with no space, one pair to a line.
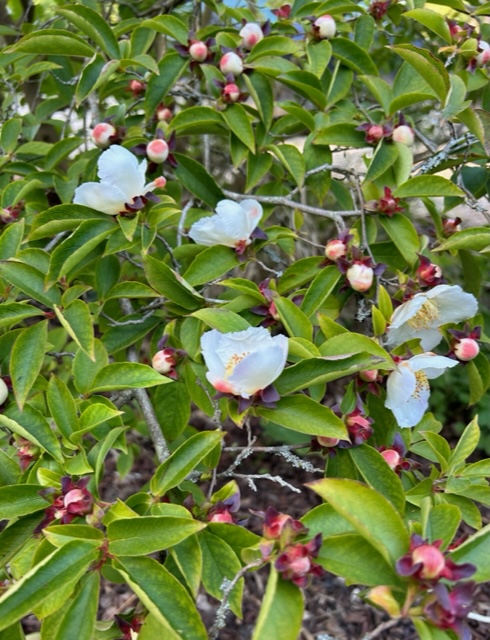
253,212
455,304
431,364
259,369
407,396
119,167
209,345
101,196
209,232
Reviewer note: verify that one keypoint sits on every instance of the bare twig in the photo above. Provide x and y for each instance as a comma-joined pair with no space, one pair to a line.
380,628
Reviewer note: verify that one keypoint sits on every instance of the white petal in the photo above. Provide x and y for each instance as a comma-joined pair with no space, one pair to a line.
253,212
228,207
119,167
259,369
431,364
407,310
407,397
209,232
455,304
241,343
101,197
209,345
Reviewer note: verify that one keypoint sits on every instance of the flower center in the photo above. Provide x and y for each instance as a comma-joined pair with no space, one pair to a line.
421,383
425,316
233,361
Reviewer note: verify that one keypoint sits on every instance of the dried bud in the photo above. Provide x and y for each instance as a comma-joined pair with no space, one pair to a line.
391,457
360,277
102,134
466,349
335,249
251,34
378,9
325,27
157,150
231,93
231,63
198,51
450,226
404,134
164,361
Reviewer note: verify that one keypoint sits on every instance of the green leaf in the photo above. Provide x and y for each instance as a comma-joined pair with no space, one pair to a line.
466,445
478,371
476,239
147,534
79,614
428,66
184,460
370,513
166,599
85,370
197,120
61,150
210,264
380,89
238,121
54,42
431,186
319,53
442,524
292,159
93,25
126,375
13,537
19,500
476,550
66,564
12,313
30,424
62,218
222,319
403,234
11,239
274,46
62,406
10,134
384,157
281,611
433,21
303,415
294,319
260,89
455,102
77,321
170,284
170,26
348,344
93,75
25,370
305,84
320,289
30,281
353,56
197,180
60,534
170,68
342,135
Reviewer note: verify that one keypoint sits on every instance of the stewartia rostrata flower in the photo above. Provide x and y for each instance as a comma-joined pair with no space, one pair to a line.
407,387
122,185
243,362
231,226
422,315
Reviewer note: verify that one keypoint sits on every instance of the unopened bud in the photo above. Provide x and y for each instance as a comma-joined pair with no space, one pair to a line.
466,349
164,361
335,249
382,596
137,87
222,516
483,58
157,151
369,375
164,114
4,391
251,34
325,27
231,93
325,441
431,558
198,51
404,134
360,277
231,63
102,134
160,182
392,458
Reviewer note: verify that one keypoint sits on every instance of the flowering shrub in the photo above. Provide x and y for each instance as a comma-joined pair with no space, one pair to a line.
307,222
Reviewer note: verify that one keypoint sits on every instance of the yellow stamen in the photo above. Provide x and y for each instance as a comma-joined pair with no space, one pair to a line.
425,316
421,384
233,361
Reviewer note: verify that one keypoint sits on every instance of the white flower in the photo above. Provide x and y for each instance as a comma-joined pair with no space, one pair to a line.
122,182
231,226
407,388
243,362
422,316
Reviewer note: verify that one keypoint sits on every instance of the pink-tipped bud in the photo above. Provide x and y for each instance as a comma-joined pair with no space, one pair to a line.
466,349
164,361
360,277
251,34
4,391
157,151
221,516
102,134
369,375
404,134
325,27
391,457
231,63
483,58
383,597
325,441
136,87
198,51
374,133
231,93
160,182
164,114
335,249
432,560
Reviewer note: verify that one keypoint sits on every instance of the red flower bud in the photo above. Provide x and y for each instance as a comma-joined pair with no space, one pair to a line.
231,93
431,559
369,375
157,150
198,51
102,134
164,114
392,458
428,273
136,87
251,34
164,361
466,349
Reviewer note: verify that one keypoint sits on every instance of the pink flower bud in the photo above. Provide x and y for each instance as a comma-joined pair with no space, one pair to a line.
4,391
164,361
360,277
484,57
160,182
382,596
369,375
231,93
164,114
466,349
450,226
231,63
374,133
325,27
404,134
432,560
102,134
222,516
251,34
335,249
198,51
157,151
136,87
391,457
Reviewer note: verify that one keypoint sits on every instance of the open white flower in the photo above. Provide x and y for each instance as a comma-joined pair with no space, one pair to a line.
243,362
232,225
407,388
122,183
422,315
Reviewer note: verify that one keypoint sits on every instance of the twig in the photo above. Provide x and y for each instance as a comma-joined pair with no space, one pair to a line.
141,320
380,628
259,476
471,201
478,617
453,146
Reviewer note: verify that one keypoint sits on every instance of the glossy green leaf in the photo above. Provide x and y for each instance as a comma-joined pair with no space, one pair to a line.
467,443
428,66
442,523
60,534
170,284
292,159
239,123
341,134
403,235
432,20
30,423
126,375
473,239
353,56
54,42
274,46
166,599
197,180
62,218
320,289
197,120
184,460
305,84
222,319
260,89
30,281
347,344
281,611
77,320
380,89
170,68
20,500
85,370
94,26
94,75
170,26
12,313
476,549
27,359
11,240
384,157
303,415
79,614
210,264
188,557
432,186
10,134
